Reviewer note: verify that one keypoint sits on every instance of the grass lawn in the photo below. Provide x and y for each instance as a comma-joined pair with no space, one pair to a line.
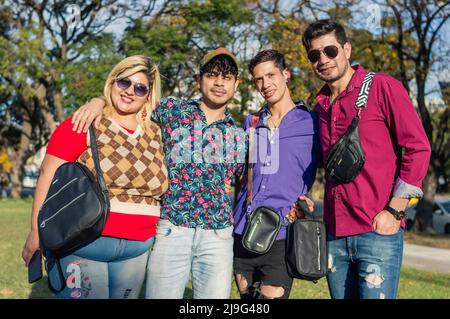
14,225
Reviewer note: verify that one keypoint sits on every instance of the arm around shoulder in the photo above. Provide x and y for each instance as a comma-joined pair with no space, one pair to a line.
88,113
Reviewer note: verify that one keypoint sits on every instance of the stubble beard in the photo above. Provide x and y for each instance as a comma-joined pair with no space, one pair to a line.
327,79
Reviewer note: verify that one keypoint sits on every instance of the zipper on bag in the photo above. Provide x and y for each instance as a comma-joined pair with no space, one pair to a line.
42,225
318,248
59,191
258,220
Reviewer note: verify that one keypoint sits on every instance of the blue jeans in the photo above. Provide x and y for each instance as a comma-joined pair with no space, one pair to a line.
106,268
364,266
178,251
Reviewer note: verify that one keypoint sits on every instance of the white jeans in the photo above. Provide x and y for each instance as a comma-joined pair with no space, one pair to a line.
178,251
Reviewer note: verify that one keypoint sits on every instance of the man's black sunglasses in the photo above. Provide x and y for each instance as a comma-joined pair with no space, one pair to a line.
139,88
330,51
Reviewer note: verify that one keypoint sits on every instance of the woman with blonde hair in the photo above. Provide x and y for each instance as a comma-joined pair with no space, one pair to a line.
132,160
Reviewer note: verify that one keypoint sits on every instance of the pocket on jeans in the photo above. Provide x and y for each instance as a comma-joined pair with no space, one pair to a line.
388,235
224,233
164,228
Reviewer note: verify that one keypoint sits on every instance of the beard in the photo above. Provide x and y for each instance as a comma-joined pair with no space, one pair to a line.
331,78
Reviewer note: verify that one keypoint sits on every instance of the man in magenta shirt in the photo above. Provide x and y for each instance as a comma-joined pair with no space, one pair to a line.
365,217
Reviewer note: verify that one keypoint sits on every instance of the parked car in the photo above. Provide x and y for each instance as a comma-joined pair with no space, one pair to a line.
441,216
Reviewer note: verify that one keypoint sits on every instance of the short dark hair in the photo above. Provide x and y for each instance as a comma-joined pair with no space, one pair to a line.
267,55
323,27
221,64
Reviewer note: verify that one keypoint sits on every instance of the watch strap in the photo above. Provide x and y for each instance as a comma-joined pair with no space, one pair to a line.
398,214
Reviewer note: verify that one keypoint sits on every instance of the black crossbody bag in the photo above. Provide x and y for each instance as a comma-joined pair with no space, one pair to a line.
346,158
75,210
306,247
264,223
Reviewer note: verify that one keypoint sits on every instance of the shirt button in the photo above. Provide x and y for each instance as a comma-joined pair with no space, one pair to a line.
268,164
263,187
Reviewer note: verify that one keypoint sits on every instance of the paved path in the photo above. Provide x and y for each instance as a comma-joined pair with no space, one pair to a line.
427,258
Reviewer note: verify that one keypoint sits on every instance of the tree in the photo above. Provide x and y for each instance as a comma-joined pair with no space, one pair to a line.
39,41
422,20
178,39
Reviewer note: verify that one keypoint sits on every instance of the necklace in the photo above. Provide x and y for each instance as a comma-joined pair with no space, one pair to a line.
273,129
275,126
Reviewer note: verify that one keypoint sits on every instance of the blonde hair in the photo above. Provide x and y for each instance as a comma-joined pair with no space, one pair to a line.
128,67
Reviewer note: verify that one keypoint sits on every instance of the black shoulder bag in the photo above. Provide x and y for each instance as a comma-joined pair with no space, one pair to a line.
264,223
75,210
346,158
306,247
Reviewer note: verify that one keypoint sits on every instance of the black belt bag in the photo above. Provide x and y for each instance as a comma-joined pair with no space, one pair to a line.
262,228
346,158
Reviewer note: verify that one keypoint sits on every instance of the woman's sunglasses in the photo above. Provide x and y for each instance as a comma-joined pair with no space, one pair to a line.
139,88
330,51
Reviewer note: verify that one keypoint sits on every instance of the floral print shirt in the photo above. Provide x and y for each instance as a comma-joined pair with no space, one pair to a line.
200,158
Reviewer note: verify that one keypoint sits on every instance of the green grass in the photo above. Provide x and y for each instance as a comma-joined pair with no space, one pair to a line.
14,225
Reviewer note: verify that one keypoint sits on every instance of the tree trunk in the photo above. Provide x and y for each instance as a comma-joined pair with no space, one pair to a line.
41,95
20,157
424,212
58,107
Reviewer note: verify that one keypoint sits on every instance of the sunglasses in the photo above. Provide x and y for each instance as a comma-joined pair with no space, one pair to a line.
330,51
139,88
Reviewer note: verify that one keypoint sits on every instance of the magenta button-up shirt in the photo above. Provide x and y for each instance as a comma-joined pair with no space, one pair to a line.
388,124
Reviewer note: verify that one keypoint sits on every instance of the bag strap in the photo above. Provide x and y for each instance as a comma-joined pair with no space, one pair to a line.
251,139
56,262
98,169
363,95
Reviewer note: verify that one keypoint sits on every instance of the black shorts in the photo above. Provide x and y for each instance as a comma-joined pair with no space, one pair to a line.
269,268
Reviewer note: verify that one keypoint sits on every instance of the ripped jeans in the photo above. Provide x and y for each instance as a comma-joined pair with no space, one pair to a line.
106,268
364,266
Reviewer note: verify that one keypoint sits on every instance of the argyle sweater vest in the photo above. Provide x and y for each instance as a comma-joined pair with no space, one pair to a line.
135,175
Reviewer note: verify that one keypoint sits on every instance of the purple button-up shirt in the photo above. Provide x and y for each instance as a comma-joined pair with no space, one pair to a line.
285,164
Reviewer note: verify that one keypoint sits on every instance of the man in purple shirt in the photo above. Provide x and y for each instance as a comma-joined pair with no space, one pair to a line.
285,168
365,217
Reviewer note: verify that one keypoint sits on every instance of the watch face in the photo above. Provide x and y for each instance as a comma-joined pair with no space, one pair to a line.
397,214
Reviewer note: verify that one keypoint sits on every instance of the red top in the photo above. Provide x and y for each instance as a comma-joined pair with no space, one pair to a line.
128,226
388,124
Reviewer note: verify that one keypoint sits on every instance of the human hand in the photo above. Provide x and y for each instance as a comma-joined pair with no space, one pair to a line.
385,223
309,202
31,245
87,113
297,211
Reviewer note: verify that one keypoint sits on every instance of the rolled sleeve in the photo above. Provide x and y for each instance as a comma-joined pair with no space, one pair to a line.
405,190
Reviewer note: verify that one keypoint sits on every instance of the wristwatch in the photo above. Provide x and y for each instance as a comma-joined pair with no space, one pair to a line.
398,214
